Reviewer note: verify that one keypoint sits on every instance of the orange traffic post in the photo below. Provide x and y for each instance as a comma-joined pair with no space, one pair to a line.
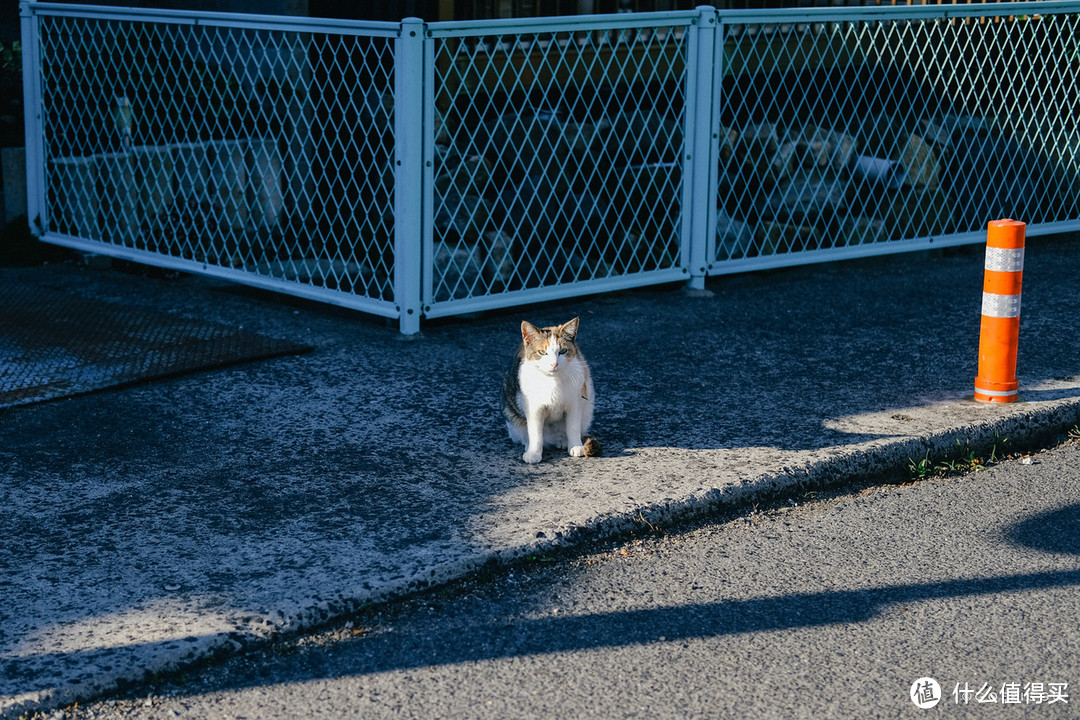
1000,332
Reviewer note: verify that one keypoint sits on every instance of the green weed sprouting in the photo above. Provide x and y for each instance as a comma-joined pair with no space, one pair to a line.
963,459
920,470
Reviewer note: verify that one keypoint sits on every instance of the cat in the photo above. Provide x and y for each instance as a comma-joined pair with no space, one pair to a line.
547,393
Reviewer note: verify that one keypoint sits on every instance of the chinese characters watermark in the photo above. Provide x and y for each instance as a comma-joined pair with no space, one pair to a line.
1012,693
926,693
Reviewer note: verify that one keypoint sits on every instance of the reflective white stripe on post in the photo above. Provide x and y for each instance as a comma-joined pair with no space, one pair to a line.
1004,259
1000,306
996,393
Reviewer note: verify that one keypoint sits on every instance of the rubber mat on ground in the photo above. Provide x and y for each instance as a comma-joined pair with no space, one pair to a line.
55,343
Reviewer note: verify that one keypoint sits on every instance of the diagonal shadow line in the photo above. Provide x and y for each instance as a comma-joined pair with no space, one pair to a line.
443,641
507,637
704,620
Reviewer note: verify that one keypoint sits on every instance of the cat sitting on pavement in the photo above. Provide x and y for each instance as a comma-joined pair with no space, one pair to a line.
547,393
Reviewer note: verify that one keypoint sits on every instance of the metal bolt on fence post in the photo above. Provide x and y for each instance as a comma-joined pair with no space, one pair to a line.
1000,331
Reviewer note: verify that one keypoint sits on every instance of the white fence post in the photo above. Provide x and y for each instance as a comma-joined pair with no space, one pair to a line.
702,141
35,149
408,172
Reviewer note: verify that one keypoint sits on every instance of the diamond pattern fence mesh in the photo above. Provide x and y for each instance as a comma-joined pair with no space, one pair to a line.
258,151
844,135
433,169
559,156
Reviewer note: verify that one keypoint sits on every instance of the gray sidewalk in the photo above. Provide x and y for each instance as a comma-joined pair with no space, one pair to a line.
151,525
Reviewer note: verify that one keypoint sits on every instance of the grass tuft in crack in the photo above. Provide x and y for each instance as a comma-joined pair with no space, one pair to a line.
963,459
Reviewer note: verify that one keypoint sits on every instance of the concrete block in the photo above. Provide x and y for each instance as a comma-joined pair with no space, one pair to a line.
264,180
645,135
461,217
734,238
920,163
914,213
120,222
192,168
778,237
464,176
862,230
806,195
154,176
77,200
228,182
756,150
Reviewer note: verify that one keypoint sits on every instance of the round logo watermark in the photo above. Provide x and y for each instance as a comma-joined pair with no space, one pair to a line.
925,693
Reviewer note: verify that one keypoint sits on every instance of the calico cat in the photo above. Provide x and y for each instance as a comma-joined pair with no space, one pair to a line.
547,393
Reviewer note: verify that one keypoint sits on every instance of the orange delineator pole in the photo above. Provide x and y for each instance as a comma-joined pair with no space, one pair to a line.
1004,271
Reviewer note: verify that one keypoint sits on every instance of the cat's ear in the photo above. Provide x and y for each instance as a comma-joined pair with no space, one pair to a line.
529,332
569,330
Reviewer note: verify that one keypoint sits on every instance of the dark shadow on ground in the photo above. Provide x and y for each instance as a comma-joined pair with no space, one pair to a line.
1057,531
409,646
504,638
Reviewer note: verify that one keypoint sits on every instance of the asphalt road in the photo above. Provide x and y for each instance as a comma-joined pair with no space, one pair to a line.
829,608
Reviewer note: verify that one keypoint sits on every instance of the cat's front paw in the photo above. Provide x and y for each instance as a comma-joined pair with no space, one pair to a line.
532,456
577,451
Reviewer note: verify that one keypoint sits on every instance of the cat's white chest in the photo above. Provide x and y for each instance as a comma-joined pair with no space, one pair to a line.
541,389
549,401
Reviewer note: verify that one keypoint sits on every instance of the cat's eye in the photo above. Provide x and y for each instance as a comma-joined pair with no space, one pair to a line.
562,351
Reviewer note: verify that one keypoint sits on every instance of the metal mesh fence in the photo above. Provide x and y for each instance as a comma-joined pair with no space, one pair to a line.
431,169
851,135
558,157
254,149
